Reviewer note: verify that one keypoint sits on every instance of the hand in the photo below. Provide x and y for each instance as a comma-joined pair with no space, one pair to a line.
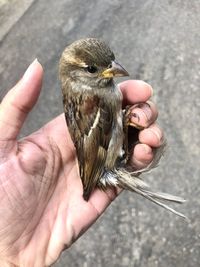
42,210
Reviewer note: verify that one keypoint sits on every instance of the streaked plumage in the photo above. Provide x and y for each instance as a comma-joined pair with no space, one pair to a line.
93,111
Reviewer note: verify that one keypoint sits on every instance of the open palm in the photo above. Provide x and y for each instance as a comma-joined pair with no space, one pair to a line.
42,210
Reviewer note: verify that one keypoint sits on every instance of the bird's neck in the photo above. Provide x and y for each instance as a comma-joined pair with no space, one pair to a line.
76,86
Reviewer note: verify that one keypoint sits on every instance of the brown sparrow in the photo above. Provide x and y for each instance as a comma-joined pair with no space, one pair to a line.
97,124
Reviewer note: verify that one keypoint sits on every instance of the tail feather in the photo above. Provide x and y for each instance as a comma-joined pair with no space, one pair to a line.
130,180
127,181
153,197
164,196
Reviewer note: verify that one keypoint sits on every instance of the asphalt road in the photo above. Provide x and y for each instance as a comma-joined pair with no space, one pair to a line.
159,42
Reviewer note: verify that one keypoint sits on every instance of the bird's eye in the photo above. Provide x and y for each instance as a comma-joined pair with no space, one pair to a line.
92,69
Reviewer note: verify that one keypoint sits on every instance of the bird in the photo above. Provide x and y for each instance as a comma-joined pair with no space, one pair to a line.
98,125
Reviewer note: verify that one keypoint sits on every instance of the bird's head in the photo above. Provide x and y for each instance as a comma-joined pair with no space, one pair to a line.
89,61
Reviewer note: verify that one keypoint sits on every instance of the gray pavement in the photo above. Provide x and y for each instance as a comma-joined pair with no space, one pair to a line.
159,42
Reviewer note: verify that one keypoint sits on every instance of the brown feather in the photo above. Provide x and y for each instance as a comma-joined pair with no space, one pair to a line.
90,128
92,106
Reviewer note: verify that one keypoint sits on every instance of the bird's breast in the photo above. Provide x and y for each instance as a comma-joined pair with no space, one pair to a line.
116,142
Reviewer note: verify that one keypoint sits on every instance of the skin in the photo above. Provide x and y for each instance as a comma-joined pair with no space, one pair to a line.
42,211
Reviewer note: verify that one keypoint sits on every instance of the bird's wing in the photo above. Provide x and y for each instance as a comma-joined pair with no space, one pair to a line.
90,127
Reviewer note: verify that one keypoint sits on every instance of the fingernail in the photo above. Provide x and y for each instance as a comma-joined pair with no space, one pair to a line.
142,114
158,133
146,109
29,71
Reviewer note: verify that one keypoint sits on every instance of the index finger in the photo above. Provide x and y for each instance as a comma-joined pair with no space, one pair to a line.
135,91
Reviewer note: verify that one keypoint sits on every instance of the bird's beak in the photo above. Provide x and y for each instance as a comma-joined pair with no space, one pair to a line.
116,70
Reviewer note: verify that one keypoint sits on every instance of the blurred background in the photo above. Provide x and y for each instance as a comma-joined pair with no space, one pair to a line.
156,41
